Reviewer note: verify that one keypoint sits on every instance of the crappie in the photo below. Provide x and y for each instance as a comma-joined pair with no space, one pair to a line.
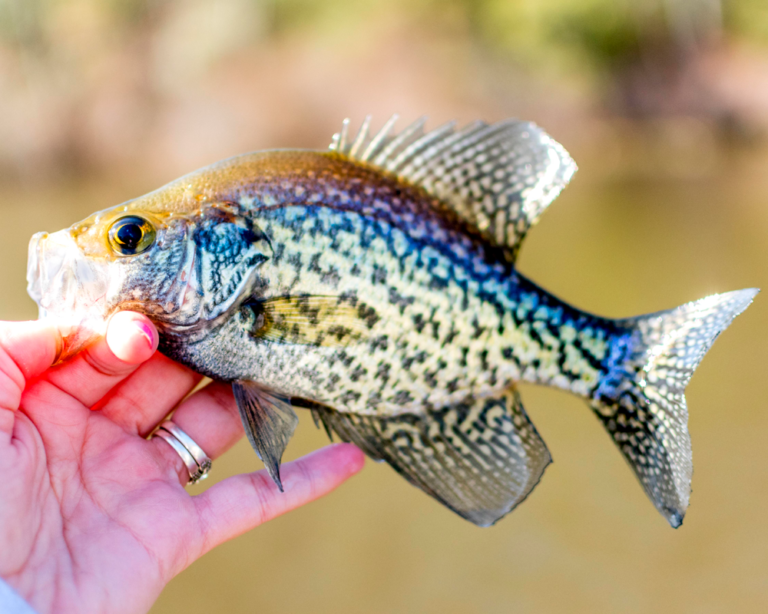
375,285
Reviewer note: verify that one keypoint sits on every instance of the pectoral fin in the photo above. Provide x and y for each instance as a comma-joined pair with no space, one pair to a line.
480,458
269,423
312,320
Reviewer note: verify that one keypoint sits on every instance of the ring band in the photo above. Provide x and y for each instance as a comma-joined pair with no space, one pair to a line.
192,455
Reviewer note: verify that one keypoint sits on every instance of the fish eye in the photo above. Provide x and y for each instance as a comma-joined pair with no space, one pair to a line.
131,235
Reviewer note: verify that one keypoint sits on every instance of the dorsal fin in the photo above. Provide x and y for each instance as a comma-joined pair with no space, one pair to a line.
497,177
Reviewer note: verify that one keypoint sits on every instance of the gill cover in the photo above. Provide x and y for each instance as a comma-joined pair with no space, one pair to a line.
229,247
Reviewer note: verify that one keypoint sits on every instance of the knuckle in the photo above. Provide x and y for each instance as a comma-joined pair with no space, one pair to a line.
308,477
10,371
262,489
221,395
105,365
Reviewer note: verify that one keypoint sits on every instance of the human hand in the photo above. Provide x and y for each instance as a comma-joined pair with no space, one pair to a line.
93,516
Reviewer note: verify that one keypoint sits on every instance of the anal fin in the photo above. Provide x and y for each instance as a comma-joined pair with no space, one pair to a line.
480,459
269,423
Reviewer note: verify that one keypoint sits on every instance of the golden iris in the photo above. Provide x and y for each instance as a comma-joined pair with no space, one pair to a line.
131,235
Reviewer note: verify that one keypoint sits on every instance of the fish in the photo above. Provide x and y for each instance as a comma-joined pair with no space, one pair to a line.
374,284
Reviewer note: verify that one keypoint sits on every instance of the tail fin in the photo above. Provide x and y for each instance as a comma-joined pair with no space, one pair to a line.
641,400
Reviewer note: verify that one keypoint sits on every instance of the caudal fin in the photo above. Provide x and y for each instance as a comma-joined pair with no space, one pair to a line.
641,401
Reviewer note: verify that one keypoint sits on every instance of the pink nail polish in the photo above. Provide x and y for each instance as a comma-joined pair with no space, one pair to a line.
147,332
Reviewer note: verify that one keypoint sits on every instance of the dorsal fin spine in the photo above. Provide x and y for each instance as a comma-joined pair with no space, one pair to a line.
420,152
409,133
455,144
380,139
341,141
362,135
409,151
448,143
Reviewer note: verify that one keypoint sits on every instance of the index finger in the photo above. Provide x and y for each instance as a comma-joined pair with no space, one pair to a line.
242,502
27,349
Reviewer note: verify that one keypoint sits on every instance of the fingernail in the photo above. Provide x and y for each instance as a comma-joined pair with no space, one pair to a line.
148,333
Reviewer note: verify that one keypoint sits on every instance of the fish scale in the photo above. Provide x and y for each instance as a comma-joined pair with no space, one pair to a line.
375,286
487,292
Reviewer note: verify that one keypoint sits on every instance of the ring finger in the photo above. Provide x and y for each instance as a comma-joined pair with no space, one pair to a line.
211,419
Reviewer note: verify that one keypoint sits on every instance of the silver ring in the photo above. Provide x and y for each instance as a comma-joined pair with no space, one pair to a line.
196,460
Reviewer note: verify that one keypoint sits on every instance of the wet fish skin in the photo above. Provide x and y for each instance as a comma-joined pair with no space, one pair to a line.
375,285
443,325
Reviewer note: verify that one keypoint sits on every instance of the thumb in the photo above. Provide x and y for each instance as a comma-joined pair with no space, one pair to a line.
132,337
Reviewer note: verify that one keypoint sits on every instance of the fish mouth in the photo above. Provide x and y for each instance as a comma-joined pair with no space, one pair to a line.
69,289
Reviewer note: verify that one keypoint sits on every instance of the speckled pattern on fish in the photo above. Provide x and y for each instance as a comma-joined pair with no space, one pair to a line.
375,285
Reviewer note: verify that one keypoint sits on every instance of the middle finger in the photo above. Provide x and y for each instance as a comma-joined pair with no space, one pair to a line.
140,402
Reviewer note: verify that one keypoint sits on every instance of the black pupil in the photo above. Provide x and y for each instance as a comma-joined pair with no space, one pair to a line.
129,235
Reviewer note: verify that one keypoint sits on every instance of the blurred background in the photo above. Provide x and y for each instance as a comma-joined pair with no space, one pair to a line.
663,104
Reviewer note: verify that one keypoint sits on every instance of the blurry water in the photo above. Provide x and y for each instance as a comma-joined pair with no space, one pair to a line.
617,243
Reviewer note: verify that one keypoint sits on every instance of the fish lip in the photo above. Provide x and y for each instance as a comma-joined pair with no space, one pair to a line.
70,290
34,273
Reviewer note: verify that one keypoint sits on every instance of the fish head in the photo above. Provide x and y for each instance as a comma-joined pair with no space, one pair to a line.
185,267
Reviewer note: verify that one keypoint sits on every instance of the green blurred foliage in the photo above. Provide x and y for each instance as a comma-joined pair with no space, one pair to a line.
606,31
747,19
520,25
581,34
91,83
